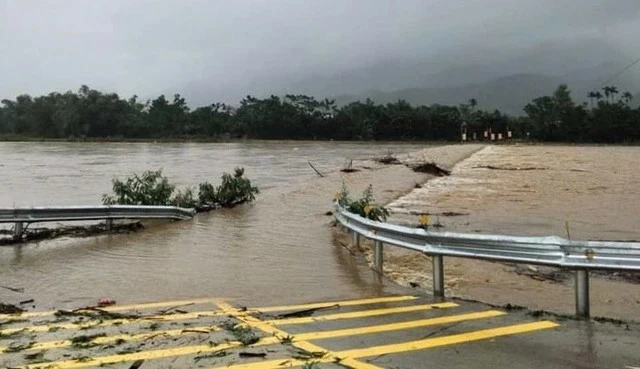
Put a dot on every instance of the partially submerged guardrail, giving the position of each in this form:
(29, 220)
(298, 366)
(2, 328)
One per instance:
(20, 216)
(580, 256)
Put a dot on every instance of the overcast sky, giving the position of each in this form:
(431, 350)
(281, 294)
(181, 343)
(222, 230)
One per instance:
(147, 47)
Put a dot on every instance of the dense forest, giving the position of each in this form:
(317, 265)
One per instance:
(91, 114)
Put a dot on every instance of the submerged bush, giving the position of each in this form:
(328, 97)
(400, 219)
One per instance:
(207, 194)
(184, 199)
(363, 206)
(235, 189)
(152, 188)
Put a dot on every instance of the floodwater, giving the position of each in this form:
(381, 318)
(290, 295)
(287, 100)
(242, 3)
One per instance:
(263, 251)
(579, 192)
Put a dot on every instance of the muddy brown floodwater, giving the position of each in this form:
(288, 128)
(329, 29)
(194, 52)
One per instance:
(281, 247)
(277, 247)
(530, 190)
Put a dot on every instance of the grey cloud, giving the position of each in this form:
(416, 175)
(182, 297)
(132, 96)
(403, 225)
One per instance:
(236, 47)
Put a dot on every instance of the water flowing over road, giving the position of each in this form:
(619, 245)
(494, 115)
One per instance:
(265, 249)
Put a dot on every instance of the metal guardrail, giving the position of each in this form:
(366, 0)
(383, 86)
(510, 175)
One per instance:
(580, 256)
(19, 216)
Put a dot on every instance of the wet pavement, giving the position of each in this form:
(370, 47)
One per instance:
(399, 330)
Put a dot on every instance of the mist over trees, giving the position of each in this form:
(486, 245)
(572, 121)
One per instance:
(92, 114)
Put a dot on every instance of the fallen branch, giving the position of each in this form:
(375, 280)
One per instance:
(96, 313)
(492, 167)
(305, 312)
(314, 168)
(14, 289)
(165, 311)
(252, 354)
(348, 249)
(195, 331)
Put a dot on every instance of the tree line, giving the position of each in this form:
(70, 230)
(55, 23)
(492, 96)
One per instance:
(89, 113)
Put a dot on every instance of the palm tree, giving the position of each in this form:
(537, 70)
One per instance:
(598, 95)
(591, 95)
(627, 97)
(614, 91)
(607, 91)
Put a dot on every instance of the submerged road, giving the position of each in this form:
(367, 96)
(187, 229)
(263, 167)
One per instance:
(400, 330)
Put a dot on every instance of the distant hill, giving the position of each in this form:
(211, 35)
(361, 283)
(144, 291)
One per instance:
(506, 83)
(509, 94)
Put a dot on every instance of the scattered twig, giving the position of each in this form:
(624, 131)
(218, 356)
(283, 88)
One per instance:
(353, 253)
(302, 354)
(136, 364)
(195, 331)
(26, 302)
(10, 309)
(305, 312)
(94, 312)
(165, 311)
(156, 335)
(219, 353)
(252, 354)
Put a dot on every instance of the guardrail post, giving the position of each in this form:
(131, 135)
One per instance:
(377, 256)
(582, 293)
(109, 225)
(355, 238)
(438, 275)
(17, 230)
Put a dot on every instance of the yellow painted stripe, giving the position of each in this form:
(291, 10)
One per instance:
(398, 326)
(107, 323)
(127, 337)
(151, 305)
(361, 314)
(447, 340)
(377, 300)
(351, 355)
(299, 341)
(143, 355)
(305, 345)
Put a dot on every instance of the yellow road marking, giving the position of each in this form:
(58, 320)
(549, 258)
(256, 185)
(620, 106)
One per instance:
(106, 323)
(300, 341)
(305, 345)
(351, 355)
(126, 337)
(448, 340)
(361, 314)
(341, 303)
(397, 326)
(151, 305)
(143, 355)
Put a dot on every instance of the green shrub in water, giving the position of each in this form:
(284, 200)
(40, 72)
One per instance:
(152, 188)
(235, 189)
(363, 206)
